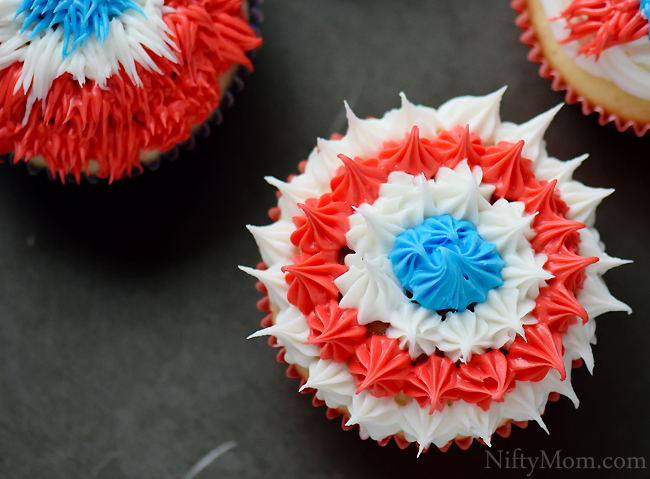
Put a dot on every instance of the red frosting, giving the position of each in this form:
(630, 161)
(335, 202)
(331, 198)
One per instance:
(542, 199)
(414, 156)
(335, 330)
(322, 227)
(380, 366)
(357, 181)
(429, 382)
(117, 123)
(567, 266)
(485, 378)
(458, 144)
(312, 278)
(542, 349)
(377, 362)
(558, 307)
(610, 22)
(504, 167)
(552, 234)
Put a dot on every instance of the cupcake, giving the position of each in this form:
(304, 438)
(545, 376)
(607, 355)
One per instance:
(102, 87)
(599, 52)
(433, 276)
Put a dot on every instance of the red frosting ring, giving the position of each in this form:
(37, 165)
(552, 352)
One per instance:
(377, 363)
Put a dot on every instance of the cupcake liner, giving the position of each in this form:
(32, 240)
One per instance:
(529, 38)
(199, 131)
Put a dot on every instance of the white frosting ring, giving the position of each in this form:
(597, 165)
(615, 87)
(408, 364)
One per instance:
(626, 65)
(381, 417)
(404, 202)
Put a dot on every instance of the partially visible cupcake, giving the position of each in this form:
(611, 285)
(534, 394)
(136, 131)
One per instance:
(598, 51)
(99, 88)
(433, 275)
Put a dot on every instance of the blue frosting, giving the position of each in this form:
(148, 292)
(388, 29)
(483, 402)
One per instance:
(79, 18)
(445, 264)
(645, 8)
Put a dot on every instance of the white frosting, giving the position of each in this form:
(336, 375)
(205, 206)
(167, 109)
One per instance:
(291, 331)
(128, 35)
(627, 65)
(578, 341)
(332, 380)
(375, 227)
(458, 194)
(273, 280)
(590, 245)
(532, 132)
(296, 191)
(583, 200)
(272, 240)
(506, 225)
(415, 328)
(371, 286)
(480, 113)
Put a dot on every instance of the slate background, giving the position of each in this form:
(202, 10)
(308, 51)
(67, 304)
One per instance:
(123, 315)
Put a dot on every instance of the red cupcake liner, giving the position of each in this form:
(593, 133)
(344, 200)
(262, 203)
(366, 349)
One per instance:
(529, 38)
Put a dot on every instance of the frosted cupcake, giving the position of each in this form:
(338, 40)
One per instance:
(433, 275)
(599, 52)
(101, 87)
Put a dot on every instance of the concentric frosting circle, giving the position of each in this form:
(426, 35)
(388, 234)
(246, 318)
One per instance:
(404, 202)
(394, 367)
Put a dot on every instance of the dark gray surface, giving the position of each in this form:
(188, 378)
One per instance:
(123, 316)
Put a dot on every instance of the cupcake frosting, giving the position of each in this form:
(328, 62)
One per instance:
(405, 202)
(614, 46)
(435, 272)
(111, 81)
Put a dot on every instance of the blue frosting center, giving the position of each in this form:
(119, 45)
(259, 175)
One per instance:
(445, 264)
(79, 18)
